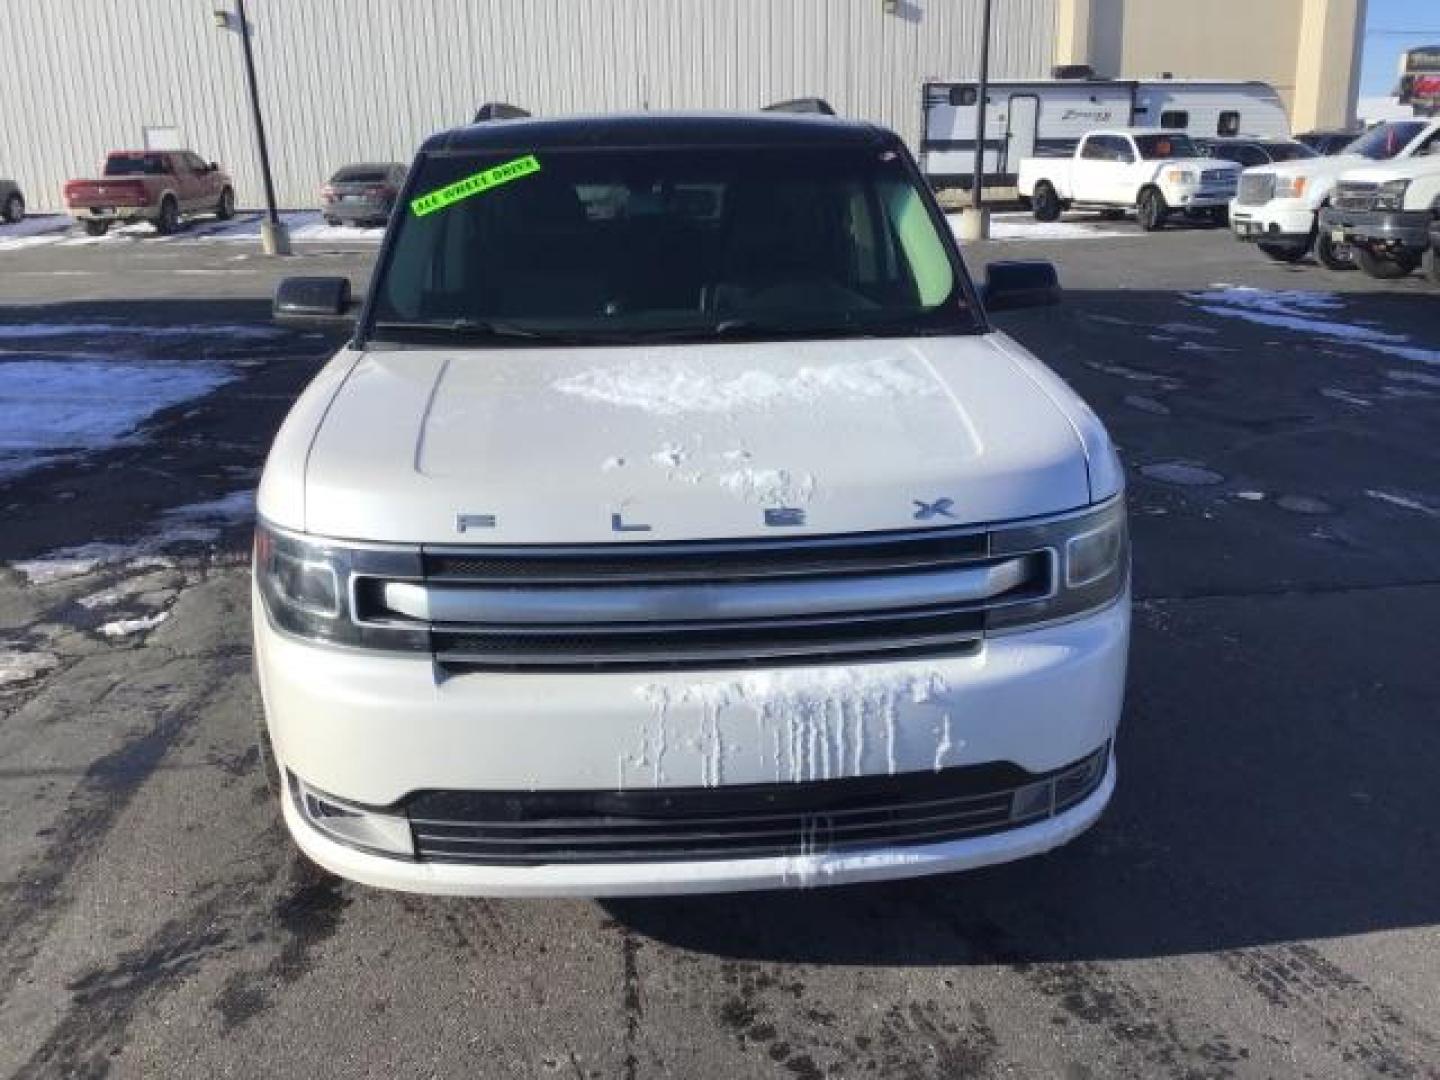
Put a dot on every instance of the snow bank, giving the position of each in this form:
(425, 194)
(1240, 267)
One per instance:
(1025, 227)
(677, 389)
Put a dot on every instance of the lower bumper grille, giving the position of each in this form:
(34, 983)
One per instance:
(755, 821)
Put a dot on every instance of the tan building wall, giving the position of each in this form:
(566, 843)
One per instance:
(1309, 50)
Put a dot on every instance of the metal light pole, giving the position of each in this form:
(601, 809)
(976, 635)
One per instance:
(274, 237)
(975, 220)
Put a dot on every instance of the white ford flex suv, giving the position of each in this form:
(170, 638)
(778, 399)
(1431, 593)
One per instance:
(676, 521)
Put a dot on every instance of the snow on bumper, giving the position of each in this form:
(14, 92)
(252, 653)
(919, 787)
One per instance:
(373, 729)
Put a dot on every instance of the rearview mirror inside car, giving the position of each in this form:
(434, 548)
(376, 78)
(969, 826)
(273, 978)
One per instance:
(1012, 285)
(312, 301)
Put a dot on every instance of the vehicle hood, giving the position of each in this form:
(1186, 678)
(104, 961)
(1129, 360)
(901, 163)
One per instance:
(1205, 163)
(1379, 173)
(595, 445)
(1316, 167)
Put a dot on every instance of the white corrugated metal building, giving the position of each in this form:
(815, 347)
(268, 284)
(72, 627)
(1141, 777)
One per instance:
(346, 80)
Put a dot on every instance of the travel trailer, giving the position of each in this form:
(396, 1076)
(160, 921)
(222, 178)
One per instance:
(1050, 116)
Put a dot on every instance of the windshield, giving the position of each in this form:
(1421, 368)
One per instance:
(1289, 151)
(599, 245)
(136, 165)
(1169, 145)
(1387, 140)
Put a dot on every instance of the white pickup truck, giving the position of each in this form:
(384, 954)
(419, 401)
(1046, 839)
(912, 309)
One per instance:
(1278, 206)
(1156, 172)
(1384, 212)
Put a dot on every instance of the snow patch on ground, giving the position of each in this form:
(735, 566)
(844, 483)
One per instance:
(678, 389)
(39, 331)
(60, 408)
(33, 231)
(1306, 313)
(769, 487)
(195, 523)
(20, 667)
(670, 456)
(1025, 227)
(610, 464)
(1405, 502)
(128, 627)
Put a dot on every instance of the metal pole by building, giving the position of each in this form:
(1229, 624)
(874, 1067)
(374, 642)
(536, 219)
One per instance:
(274, 238)
(975, 221)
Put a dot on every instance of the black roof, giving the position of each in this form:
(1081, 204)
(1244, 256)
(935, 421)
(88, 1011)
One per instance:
(661, 129)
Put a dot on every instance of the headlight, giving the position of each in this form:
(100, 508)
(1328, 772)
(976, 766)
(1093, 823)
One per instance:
(1090, 558)
(310, 589)
(1391, 195)
(1182, 177)
(1290, 187)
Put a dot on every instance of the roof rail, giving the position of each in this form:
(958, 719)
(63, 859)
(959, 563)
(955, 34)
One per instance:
(499, 110)
(813, 105)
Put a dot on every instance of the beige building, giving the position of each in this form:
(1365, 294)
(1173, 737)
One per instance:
(1309, 50)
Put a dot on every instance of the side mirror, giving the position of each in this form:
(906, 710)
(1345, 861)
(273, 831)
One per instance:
(313, 301)
(1013, 285)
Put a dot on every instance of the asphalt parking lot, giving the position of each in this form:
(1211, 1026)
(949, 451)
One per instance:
(1262, 899)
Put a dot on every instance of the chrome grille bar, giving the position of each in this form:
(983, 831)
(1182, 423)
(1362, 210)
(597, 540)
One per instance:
(648, 604)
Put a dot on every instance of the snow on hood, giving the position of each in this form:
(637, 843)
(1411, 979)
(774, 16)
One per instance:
(680, 442)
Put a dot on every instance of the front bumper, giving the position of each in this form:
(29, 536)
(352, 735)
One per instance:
(375, 730)
(1202, 199)
(681, 877)
(1383, 229)
(1271, 224)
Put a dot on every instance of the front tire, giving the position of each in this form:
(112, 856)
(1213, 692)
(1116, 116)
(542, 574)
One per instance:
(14, 209)
(1220, 217)
(95, 228)
(1151, 210)
(169, 219)
(1045, 203)
(1387, 267)
(226, 208)
(1285, 253)
(1432, 266)
(1333, 256)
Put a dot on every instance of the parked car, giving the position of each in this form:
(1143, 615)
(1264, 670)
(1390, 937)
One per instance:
(1247, 152)
(362, 194)
(1156, 172)
(163, 187)
(1384, 212)
(12, 201)
(719, 543)
(1277, 206)
(1327, 143)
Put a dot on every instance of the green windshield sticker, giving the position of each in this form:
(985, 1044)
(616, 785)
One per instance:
(474, 185)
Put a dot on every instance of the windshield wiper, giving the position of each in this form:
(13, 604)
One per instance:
(465, 328)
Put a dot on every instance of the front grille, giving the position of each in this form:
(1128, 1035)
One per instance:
(1355, 196)
(517, 828)
(1256, 189)
(1224, 178)
(705, 604)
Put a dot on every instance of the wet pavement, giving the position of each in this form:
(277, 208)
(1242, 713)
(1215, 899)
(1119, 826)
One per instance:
(1262, 898)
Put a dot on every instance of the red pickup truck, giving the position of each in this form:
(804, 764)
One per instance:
(158, 186)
